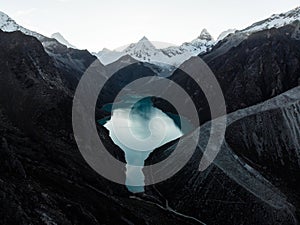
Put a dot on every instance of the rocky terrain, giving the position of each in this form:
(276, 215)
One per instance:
(256, 174)
(253, 180)
(250, 176)
(250, 69)
(44, 179)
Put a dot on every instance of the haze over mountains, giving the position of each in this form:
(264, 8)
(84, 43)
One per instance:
(254, 179)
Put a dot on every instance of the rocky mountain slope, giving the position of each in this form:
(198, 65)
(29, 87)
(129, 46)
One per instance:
(254, 175)
(44, 179)
(72, 62)
(254, 179)
(256, 172)
(251, 69)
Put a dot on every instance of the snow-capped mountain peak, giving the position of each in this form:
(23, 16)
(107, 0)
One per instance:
(142, 44)
(205, 35)
(7, 24)
(199, 45)
(144, 39)
(62, 40)
(145, 51)
(275, 21)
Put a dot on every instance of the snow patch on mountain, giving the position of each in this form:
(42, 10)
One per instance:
(275, 21)
(224, 34)
(7, 24)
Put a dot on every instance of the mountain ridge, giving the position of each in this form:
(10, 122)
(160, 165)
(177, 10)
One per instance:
(45, 180)
(60, 38)
(145, 51)
(202, 44)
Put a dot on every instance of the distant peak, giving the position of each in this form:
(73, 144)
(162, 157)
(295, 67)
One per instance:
(58, 36)
(143, 43)
(204, 35)
(144, 39)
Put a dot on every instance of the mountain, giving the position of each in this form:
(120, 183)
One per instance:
(256, 172)
(145, 51)
(44, 179)
(35, 119)
(62, 40)
(224, 34)
(275, 21)
(250, 69)
(7, 24)
(253, 180)
(72, 62)
(107, 56)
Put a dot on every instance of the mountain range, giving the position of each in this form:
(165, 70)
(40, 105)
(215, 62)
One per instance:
(254, 179)
(145, 51)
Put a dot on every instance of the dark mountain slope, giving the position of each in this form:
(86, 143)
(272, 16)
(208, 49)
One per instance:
(264, 65)
(250, 69)
(30, 84)
(255, 177)
(71, 62)
(43, 177)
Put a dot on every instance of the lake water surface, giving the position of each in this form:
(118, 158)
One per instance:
(139, 130)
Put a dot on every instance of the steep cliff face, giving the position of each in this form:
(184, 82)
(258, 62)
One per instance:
(30, 84)
(269, 141)
(250, 69)
(248, 179)
(44, 179)
(71, 62)
(262, 66)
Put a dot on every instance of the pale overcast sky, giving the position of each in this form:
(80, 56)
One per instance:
(94, 24)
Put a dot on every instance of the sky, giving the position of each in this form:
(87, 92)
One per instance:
(95, 24)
